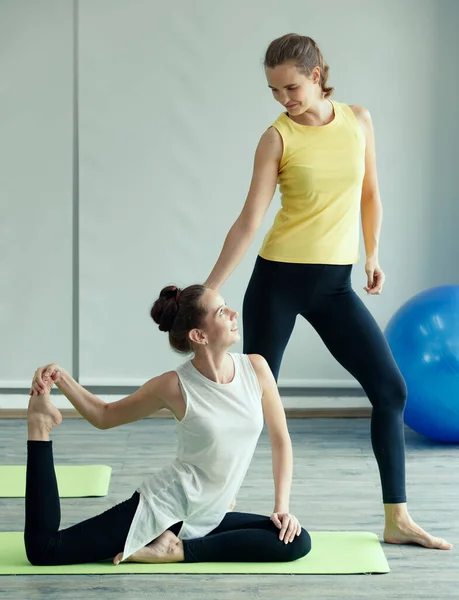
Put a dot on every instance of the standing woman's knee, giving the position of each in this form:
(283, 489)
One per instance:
(397, 393)
(389, 394)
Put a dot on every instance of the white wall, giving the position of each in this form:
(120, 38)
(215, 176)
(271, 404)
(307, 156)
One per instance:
(35, 187)
(443, 244)
(172, 102)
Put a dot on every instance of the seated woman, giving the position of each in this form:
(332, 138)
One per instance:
(179, 514)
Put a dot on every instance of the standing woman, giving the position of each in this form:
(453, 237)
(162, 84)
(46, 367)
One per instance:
(322, 154)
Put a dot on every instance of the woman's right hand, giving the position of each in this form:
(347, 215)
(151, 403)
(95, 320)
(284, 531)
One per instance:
(44, 378)
(288, 524)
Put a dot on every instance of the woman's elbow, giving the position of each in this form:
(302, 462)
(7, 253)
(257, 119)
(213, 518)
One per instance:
(370, 198)
(282, 442)
(247, 225)
(102, 420)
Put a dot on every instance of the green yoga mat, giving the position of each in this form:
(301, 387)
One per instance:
(332, 553)
(73, 481)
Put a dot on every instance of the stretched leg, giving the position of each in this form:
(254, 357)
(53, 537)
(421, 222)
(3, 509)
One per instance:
(42, 505)
(99, 538)
(268, 314)
(355, 340)
(243, 537)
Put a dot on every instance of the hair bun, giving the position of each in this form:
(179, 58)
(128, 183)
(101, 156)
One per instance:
(166, 307)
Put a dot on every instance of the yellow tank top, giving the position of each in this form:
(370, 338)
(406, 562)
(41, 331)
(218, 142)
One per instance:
(320, 180)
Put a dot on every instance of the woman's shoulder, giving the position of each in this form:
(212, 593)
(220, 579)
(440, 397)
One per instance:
(282, 124)
(270, 145)
(171, 391)
(255, 360)
(363, 118)
(271, 136)
(362, 114)
(254, 367)
(259, 363)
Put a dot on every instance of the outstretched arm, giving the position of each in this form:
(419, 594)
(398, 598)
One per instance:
(261, 192)
(148, 399)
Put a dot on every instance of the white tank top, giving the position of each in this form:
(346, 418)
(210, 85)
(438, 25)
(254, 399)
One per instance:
(217, 438)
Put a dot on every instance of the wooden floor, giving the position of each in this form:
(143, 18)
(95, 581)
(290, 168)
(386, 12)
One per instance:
(336, 487)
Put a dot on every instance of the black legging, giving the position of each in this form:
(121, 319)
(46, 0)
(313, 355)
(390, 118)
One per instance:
(322, 294)
(240, 537)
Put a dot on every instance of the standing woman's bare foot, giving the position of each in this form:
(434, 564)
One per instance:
(401, 529)
(42, 415)
(167, 548)
(407, 532)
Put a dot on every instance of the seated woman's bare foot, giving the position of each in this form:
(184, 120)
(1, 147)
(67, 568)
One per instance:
(406, 531)
(167, 548)
(42, 415)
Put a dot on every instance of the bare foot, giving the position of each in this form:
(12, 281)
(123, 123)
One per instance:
(167, 548)
(406, 531)
(42, 415)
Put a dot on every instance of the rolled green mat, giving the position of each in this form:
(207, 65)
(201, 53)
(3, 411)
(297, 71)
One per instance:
(72, 481)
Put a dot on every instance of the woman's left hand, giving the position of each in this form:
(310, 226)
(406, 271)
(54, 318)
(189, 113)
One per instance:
(375, 277)
(288, 524)
(44, 378)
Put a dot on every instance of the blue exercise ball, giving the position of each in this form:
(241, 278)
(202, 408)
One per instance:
(424, 338)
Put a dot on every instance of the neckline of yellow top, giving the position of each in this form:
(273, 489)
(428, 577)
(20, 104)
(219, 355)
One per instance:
(215, 383)
(326, 126)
